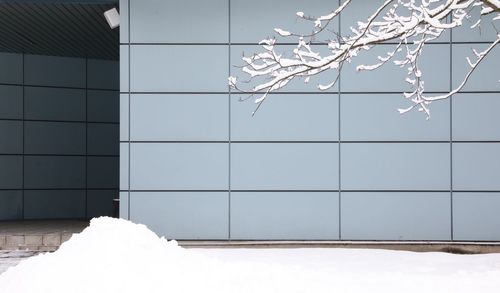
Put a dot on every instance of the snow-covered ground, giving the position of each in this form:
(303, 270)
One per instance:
(118, 256)
(11, 258)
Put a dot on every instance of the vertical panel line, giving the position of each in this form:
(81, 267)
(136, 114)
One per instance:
(86, 137)
(23, 136)
(229, 121)
(129, 110)
(339, 141)
(451, 136)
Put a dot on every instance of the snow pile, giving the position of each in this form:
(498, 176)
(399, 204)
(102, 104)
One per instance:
(115, 255)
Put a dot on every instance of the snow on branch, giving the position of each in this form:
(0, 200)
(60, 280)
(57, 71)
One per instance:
(403, 22)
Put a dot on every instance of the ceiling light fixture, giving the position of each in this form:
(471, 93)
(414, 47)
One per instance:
(112, 17)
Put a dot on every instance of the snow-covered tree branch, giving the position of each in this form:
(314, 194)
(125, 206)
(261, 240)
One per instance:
(406, 24)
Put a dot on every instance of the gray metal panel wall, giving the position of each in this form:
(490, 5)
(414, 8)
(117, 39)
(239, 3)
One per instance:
(59, 127)
(339, 164)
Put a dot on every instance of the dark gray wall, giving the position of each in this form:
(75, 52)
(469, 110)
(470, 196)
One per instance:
(58, 137)
(340, 164)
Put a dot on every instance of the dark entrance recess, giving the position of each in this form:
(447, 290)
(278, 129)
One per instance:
(59, 110)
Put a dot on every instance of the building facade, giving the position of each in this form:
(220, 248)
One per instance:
(59, 134)
(59, 110)
(335, 165)
(193, 163)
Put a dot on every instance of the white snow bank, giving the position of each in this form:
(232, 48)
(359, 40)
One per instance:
(115, 255)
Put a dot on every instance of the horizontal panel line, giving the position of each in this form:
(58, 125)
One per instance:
(279, 43)
(476, 191)
(419, 141)
(176, 44)
(228, 92)
(11, 84)
(60, 121)
(176, 93)
(224, 141)
(212, 43)
(307, 190)
(313, 141)
(173, 190)
(475, 141)
(60, 87)
(103, 122)
(233, 190)
(193, 141)
(396, 190)
(434, 92)
(58, 189)
(284, 190)
(393, 141)
(58, 155)
(315, 92)
(269, 243)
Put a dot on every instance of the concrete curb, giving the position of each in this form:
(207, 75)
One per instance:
(415, 246)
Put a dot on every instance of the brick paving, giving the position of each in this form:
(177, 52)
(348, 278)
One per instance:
(37, 235)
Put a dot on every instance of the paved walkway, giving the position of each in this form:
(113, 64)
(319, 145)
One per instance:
(37, 235)
(48, 235)
(11, 258)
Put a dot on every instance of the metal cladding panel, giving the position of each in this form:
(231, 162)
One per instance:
(124, 68)
(284, 166)
(102, 139)
(285, 215)
(11, 71)
(11, 102)
(103, 172)
(166, 22)
(124, 22)
(191, 117)
(476, 166)
(485, 77)
(11, 133)
(185, 215)
(278, 13)
(475, 117)
(54, 71)
(202, 68)
(101, 203)
(54, 172)
(54, 204)
(124, 117)
(296, 85)
(395, 166)
(485, 32)
(301, 117)
(363, 10)
(374, 117)
(103, 74)
(476, 216)
(62, 104)
(11, 172)
(11, 205)
(124, 166)
(391, 78)
(179, 166)
(103, 106)
(396, 216)
(54, 138)
(124, 205)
